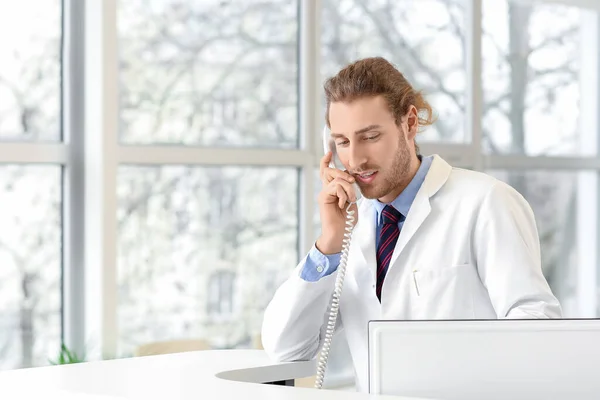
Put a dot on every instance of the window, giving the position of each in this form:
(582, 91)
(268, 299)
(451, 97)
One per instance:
(30, 76)
(30, 256)
(173, 248)
(217, 73)
(220, 294)
(31, 183)
(535, 68)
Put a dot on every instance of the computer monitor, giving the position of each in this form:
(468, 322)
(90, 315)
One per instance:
(486, 359)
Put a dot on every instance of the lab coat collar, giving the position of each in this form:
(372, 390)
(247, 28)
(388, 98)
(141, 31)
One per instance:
(364, 232)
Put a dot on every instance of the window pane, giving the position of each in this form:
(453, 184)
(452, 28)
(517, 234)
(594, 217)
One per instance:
(30, 260)
(565, 205)
(179, 228)
(532, 74)
(30, 64)
(214, 73)
(424, 39)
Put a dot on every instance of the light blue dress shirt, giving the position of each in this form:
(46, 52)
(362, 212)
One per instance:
(318, 265)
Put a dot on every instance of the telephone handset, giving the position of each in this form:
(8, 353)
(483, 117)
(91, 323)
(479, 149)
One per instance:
(329, 145)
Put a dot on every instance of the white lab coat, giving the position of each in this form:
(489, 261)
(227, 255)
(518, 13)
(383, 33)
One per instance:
(468, 249)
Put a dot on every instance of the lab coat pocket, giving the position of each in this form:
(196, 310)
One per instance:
(443, 292)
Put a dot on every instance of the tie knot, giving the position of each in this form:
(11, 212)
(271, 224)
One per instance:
(390, 215)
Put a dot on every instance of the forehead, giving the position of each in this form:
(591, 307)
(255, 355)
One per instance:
(347, 117)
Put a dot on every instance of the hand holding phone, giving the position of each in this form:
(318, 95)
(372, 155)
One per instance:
(338, 193)
(335, 169)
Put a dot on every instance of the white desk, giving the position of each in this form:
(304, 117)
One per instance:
(224, 374)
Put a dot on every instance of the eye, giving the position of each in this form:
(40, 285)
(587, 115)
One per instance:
(372, 137)
(342, 142)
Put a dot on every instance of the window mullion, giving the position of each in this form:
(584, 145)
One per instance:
(101, 122)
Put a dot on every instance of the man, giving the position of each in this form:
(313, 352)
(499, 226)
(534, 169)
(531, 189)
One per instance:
(431, 241)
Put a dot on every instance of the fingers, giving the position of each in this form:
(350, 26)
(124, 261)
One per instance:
(329, 174)
(347, 187)
(342, 190)
(325, 160)
(341, 195)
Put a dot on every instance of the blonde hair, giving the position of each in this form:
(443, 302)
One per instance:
(376, 76)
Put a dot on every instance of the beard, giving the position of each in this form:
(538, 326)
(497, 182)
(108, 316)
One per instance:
(389, 180)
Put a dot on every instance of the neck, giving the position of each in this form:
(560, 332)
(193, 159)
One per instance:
(415, 163)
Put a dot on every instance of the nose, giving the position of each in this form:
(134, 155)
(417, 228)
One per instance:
(356, 156)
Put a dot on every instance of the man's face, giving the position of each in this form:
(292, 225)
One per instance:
(372, 147)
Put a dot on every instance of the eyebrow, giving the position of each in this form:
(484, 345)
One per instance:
(358, 132)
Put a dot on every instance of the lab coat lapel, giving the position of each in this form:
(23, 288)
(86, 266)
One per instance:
(416, 216)
(438, 174)
(364, 234)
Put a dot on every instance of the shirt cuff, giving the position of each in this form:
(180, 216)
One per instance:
(319, 265)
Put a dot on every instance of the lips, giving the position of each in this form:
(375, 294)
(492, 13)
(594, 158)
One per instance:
(366, 177)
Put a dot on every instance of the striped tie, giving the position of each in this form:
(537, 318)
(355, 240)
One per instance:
(387, 241)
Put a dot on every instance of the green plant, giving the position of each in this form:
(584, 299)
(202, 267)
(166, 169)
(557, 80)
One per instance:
(66, 356)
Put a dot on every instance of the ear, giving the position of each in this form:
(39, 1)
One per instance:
(412, 120)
